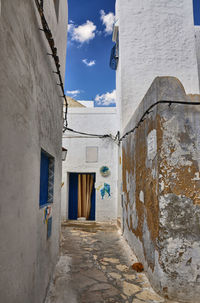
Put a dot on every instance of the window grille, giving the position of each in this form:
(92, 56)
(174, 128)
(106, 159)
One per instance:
(46, 179)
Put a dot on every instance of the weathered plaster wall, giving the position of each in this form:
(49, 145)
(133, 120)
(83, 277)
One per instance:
(161, 191)
(156, 38)
(97, 121)
(31, 119)
(197, 42)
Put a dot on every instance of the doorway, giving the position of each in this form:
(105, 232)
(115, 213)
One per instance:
(82, 196)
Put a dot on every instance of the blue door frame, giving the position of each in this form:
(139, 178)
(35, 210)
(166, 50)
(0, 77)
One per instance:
(73, 197)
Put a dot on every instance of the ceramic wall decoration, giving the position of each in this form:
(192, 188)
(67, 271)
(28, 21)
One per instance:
(105, 171)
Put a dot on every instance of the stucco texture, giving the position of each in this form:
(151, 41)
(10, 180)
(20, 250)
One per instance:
(93, 121)
(31, 119)
(156, 38)
(161, 191)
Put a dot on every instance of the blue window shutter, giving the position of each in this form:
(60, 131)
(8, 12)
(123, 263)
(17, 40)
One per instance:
(44, 176)
(93, 201)
(73, 196)
(196, 8)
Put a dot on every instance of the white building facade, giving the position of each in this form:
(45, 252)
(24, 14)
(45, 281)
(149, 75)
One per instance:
(90, 155)
(30, 136)
(156, 38)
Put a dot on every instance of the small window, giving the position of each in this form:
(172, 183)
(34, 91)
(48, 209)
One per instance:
(46, 179)
(196, 9)
(91, 154)
(56, 4)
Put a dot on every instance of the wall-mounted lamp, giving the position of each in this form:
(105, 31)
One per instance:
(64, 153)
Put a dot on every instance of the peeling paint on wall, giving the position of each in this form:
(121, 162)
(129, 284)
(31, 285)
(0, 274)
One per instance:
(161, 199)
(152, 144)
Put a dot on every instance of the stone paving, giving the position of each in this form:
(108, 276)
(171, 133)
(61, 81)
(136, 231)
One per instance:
(95, 267)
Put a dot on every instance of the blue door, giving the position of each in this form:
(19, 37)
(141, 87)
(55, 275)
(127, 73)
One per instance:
(73, 197)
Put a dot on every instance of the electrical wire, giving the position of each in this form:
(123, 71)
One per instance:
(79, 137)
(91, 135)
(51, 42)
(117, 138)
(49, 37)
(148, 112)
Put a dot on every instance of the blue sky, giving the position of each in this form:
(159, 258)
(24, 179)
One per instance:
(196, 12)
(88, 75)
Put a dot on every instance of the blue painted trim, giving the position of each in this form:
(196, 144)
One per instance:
(73, 197)
(93, 201)
(46, 179)
(44, 176)
(196, 9)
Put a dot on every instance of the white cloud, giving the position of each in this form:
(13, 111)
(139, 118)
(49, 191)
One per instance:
(70, 27)
(82, 33)
(86, 103)
(74, 93)
(106, 99)
(89, 63)
(107, 20)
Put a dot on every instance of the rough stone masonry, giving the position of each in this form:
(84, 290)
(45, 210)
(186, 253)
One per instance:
(161, 190)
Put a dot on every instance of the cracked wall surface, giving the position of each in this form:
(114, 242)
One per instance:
(161, 191)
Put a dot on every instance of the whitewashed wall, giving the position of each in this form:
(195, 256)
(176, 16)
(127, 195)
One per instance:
(197, 40)
(97, 121)
(31, 119)
(119, 112)
(156, 39)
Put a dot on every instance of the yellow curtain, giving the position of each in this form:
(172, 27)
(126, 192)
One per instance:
(85, 184)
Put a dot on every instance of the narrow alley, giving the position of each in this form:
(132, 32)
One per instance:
(100, 125)
(95, 266)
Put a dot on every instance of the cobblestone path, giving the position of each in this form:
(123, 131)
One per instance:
(95, 266)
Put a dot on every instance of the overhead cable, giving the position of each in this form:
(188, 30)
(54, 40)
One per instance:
(119, 139)
(49, 37)
(148, 111)
(93, 135)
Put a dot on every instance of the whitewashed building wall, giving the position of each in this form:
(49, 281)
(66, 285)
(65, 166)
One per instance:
(96, 121)
(156, 38)
(31, 119)
(197, 40)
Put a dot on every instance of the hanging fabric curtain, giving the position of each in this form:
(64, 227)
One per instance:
(85, 185)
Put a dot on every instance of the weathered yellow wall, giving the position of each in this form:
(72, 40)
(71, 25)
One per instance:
(161, 192)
